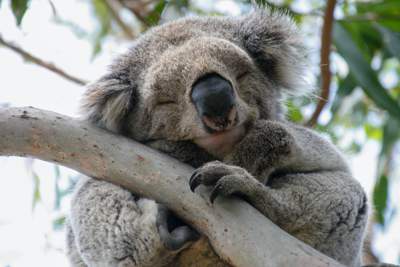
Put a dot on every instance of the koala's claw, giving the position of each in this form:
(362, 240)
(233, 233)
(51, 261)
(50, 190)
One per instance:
(227, 186)
(214, 193)
(208, 174)
(173, 232)
(225, 179)
(194, 181)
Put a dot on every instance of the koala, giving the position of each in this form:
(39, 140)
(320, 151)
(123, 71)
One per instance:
(209, 92)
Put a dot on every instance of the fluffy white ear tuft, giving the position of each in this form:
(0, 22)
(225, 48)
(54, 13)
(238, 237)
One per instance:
(274, 42)
(107, 102)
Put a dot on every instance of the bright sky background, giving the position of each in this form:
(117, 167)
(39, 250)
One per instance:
(26, 236)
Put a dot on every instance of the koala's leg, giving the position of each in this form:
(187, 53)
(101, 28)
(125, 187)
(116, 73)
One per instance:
(110, 227)
(327, 210)
(74, 257)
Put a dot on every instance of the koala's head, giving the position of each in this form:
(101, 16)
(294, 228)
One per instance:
(202, 80)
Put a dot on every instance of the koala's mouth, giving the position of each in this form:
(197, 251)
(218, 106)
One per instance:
(221, 143)
(217, 125)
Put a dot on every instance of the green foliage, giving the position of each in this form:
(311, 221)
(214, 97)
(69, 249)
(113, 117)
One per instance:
(261, 2)
(346, 86)
(391, 40)
(373, 33)
(59, 222)
(373, 132)
(391, 133)
(61, 192)
(362, 72)
(19, 8)
(379, 9)
(294, 113)
(57, 188)
(102, 14)
(155, 15)
(36, 190)
(380, 197)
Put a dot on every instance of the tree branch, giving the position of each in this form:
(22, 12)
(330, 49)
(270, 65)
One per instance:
(238, 233)
(47, 65)
(326, 41)
(137, 9)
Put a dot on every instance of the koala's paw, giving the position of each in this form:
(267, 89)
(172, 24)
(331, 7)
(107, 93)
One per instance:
(174, 233)
(226, 180)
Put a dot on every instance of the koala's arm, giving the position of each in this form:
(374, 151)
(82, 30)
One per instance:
(108, 226)
(282, 147)
(299, 181)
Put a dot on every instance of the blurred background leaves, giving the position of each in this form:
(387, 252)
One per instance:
(363, 95)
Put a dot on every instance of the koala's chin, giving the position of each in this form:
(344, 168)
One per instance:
(220, 144)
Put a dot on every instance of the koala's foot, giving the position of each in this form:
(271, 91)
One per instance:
(226, 180)
(174, 233)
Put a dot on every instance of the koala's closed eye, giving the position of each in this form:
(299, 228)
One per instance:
(242, 75)
(163, 99)
(166, 102)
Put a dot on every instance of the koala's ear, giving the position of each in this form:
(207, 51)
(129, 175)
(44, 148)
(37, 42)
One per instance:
(272, 40)
(109, 100)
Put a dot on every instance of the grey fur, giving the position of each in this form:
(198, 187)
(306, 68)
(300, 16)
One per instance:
(289, 173)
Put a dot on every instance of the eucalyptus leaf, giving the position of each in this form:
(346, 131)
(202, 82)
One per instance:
(391, 133)
(104, 27)
(293, 112)
(386, 7)
(345, 88)
(365, 36)
(391, 40)
(36, 190)
(59, 223)
(373, 132)
(380, 197)
(261, 2)
(19, 8)
(180, 3)
(155, 14)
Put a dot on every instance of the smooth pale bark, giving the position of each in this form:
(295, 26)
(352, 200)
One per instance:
(238, 233)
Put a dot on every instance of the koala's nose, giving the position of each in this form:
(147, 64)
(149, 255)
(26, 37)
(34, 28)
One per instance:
(214, 99)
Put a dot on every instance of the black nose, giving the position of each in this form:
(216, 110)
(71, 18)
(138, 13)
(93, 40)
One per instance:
(214, 99)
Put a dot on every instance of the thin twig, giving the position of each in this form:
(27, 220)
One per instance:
(326, 41)
(53, 8)
(136, 11)
(114, 13)
(47, 65)
(369, 17)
